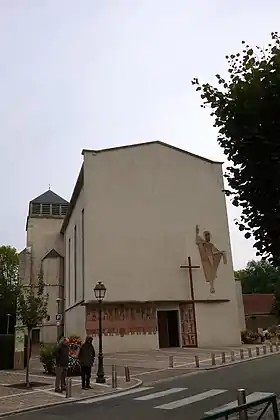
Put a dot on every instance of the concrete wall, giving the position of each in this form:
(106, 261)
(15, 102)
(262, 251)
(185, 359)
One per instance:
(142, 207)
(75, 321)
(74, 283)
(240, 304)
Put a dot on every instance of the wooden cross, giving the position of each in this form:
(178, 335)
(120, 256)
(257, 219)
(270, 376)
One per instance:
(189, 266)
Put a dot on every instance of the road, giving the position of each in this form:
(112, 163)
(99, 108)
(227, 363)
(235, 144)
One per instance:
(187, 397)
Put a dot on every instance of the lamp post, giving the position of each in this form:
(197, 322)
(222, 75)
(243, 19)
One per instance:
(99, 292)
(8, 323)
(59, 331)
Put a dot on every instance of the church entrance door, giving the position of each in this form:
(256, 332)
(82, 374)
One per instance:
(168, 329)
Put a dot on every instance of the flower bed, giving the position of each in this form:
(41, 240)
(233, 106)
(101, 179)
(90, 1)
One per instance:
(48, 354)
(251, 337)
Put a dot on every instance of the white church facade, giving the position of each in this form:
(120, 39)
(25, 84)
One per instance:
(138, 217)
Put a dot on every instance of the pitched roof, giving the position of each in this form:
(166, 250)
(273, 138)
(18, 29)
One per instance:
(257, 303)
(170, 146)
(51, 254)
(49, 197)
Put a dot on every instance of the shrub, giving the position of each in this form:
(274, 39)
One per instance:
(250, 337)
(47, 358)
(7, 351)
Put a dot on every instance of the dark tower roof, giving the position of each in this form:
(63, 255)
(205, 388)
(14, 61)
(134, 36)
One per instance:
(49, 197)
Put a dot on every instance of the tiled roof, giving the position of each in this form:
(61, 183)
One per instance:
(258, 303)
(49, 197)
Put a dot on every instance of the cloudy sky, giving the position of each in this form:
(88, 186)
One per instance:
(98, 73)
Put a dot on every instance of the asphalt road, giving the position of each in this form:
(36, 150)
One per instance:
(183, 398)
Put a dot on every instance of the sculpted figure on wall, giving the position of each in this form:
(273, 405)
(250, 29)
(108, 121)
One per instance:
(210, 257)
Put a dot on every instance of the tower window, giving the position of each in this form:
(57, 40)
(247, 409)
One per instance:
(55, 209)
(36, 208)
(64, 209)
(46, 209)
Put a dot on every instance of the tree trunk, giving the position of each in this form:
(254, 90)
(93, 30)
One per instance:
(27, 383)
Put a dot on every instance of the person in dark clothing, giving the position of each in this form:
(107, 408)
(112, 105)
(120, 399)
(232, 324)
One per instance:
(62, 358)
(86, 357)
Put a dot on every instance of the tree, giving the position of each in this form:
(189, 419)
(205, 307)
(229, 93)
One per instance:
(245, 106)
(9, 264)
(259, 277)
(32, 305)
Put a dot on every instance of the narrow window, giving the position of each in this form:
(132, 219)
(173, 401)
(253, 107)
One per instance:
(69, 272)
(83, 255)
(75, 264)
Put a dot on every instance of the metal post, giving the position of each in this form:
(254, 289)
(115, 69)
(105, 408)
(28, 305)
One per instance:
(241, 399)
(277, 346)
(114, 376)
(171, 361)
(223, 357)
(257, 351)
(8, 323)
(275, 409)
(100, 379)
(196, 358)
(127, 374)
(271, 348)
(68, 387)
(264, 349)
(232, 356)
(213, 359)
(249, 352)
(241, 354)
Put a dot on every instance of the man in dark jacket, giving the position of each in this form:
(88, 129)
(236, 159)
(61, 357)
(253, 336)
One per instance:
(86, 357)
(62, 358)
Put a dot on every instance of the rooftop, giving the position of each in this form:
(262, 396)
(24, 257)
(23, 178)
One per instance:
(49, 197)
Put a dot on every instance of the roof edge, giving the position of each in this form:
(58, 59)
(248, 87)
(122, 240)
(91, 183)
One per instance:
(75, 195)
(178, 149)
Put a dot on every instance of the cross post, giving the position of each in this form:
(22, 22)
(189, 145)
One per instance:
(190, 267)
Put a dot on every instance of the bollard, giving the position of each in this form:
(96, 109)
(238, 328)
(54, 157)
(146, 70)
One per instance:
(196, 358)
(127, 374)
(213, 359)
(232, 356)
(271, 348)
(277, 347)
(223, 357)
(171, 361)
(257, 351)
(249, 352)
(114, 376)
(241, 399)
(264, 349)
(241, 354)
(68, 387)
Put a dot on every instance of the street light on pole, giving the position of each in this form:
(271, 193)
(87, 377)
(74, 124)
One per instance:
(100, 292)
(58, 318)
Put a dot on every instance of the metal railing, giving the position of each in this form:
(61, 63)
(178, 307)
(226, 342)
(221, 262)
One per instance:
(241, 409)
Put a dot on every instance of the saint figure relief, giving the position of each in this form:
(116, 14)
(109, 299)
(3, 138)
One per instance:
(210, 257)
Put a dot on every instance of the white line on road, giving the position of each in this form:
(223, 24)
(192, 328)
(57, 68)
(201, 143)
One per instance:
(159, 394)
(191, 400)
(118, 394)
(249, 398)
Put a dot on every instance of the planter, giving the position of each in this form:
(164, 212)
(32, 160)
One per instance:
(76, 371)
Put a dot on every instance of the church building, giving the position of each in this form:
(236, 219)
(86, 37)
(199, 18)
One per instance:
(148, 220)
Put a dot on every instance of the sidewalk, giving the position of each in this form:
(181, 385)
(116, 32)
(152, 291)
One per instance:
(14, 397)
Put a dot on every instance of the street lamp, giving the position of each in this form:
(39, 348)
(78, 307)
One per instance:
(8, 323)
(58, 318)
(99, 292)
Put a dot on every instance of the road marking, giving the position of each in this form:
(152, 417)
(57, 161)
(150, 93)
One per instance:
(191, 400)
(118, 394)
(249, 398)
(159, 394)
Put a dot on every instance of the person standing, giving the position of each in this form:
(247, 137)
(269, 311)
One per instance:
(86, 357)
(62, 358)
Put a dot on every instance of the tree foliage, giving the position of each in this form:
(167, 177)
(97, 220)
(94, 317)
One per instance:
(259, 277)
(8, 285)
(32, 303)
(245, 106)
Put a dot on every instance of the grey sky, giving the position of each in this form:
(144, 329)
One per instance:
(90, 74)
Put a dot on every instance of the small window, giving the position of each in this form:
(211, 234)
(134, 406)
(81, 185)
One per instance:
(36, 208)
(46, 209)
(55, 209)
(64, 209)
